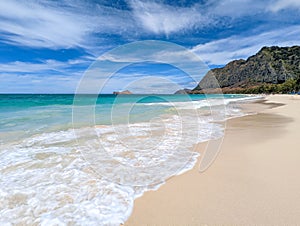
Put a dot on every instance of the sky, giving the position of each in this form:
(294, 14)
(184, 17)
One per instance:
(47, 46)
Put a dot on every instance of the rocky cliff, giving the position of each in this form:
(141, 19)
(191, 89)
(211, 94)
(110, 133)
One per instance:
(270, 66)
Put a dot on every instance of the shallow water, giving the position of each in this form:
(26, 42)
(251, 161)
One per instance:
(57, 169)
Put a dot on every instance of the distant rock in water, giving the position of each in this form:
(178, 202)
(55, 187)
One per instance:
(122, 92)
(183, 91)
(269, 67)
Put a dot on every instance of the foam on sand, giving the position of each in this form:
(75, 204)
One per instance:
(45, 179)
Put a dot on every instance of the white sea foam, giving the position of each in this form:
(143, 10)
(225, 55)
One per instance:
(197, 104)
(46, 180)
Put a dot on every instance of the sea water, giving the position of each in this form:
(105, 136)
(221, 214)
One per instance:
(51, 169)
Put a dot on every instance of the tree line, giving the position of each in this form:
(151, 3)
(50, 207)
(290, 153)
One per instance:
(289, 86)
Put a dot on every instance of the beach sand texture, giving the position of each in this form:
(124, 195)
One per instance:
(253, 181)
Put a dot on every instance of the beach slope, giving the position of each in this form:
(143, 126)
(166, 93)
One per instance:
(254, 180)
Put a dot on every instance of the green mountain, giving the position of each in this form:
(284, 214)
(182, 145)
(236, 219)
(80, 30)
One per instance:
(272, 70)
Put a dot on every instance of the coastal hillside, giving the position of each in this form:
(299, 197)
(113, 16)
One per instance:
(272, 70)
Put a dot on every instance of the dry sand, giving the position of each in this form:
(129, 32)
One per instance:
(254, 180)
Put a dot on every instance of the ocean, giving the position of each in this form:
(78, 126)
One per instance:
(83, 159)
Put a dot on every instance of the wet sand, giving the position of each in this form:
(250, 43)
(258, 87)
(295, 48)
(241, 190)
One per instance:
(253, 181)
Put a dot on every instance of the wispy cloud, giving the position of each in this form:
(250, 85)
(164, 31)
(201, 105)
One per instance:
(220, 52)
(165, 19)
(37, 25)
(53, 25)
(154, 84)
(284, 4)
(49, 76)
(47, 65)
(217, 31)
(236, 8)
(136, 79)
(37, 83)
(84, 24)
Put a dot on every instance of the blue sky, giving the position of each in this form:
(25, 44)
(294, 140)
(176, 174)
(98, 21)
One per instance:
(46, 46)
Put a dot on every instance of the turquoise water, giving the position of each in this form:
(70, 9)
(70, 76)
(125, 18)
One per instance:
(35, 113)
(58, 169)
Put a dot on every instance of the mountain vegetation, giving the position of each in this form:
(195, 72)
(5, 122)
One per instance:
(272, 70)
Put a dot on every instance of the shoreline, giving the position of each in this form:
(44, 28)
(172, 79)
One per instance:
(242, 186)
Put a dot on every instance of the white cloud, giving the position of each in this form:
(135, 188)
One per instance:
(222, 51)
(136, 83)
(236, 8)
(65, 24)
(33, 24)
(50, 76)
(35, 83)
(164, 19)
(53, 25)
(284, 4)
(154, 84)
(241, 8)
(47, 65)
(156, 17)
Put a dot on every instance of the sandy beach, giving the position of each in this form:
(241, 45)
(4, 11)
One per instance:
(254, 180)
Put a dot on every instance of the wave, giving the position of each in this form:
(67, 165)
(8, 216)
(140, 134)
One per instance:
(52, 178)
(197, 104)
